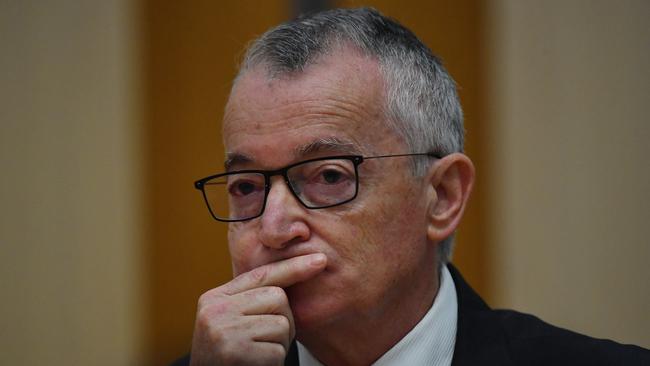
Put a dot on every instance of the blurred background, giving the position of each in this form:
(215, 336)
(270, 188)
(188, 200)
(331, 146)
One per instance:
(109, 110)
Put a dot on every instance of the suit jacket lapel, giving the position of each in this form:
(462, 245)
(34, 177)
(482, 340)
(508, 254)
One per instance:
(479, 337)
(292, 355)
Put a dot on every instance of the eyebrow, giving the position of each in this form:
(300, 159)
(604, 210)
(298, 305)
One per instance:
(234, 159)
(327, 144)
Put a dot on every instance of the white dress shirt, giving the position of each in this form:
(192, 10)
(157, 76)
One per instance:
(430, 342)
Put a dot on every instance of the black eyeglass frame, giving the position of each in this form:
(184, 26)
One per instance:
(355, 159)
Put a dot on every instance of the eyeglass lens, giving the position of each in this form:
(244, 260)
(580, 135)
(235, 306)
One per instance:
(317, 184)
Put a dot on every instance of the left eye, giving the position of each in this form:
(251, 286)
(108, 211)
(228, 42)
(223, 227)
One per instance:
(331, 176)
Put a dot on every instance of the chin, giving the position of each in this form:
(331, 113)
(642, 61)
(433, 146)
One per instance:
(313, 305)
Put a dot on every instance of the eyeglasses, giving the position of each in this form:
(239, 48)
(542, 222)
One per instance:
(315, 183)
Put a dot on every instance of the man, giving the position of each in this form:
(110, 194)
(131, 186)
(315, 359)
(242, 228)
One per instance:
(345, 181)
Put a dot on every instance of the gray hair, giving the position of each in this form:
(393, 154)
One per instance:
(422, 105)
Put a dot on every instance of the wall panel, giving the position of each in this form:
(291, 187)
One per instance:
(570, 84)
(190, 54)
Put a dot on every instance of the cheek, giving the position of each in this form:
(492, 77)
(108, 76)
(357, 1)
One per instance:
(241, 244)
(361, 241)
(391, 232)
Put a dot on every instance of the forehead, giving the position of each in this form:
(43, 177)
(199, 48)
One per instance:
(338, 98)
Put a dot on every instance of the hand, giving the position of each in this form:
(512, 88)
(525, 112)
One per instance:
(248, 320)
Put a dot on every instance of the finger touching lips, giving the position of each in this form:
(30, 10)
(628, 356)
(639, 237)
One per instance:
(283, 273)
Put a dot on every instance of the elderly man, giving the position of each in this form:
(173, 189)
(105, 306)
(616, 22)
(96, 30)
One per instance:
(344, 183)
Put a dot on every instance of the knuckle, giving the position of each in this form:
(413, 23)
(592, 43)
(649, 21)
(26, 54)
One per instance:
(259, 274)
(204, 301)
(203, 318)
(210, 297)
(214, 310)
(221, 290)
(279, 300)
(213, 304)
(277, 292)
(204, 323)
(283, 323)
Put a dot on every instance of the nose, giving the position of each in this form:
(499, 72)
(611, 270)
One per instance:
(282, 223)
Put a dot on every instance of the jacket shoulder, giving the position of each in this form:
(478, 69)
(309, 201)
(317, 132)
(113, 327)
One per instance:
(532, 341)
(505, 337)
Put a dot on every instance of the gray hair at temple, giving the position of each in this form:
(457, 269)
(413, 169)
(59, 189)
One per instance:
(422, 105)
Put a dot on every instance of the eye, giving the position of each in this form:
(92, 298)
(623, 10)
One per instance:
(242, 188)
(331, 176)
(245, 188)
(329, 173)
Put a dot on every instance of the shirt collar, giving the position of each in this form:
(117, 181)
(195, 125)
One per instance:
(430, 342)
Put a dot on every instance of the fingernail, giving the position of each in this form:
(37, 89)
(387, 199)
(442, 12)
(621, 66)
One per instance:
(317, 259)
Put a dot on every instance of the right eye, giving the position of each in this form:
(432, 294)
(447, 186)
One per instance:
(242, 188)
(331, 176)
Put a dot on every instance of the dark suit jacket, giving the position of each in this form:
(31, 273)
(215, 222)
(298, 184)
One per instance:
(505, 337)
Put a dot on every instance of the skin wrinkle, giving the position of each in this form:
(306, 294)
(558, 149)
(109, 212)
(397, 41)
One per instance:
(334, 104)
(307, 105)
(331, 144)
(304, 110)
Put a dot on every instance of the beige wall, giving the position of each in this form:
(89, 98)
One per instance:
(567, 94)
(69, 224)
(570, 87)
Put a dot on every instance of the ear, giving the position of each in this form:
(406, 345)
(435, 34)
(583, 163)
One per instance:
(451, 180)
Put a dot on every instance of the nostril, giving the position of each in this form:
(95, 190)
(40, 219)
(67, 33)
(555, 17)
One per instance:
(296, 240)
(279, 236)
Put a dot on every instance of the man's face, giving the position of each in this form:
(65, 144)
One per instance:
(376, 245)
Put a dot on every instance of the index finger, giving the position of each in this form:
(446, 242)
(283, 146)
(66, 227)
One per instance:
(282, 274)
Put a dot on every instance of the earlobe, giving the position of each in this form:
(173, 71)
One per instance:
(451, 180)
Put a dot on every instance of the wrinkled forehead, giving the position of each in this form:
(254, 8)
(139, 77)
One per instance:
(340, 97)
(337, 77)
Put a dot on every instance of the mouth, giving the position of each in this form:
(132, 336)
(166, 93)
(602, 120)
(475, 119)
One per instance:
(268, 256)
(308, 286)
(297, 250)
